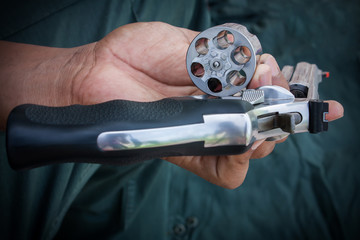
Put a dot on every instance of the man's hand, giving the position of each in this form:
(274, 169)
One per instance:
(139, 62)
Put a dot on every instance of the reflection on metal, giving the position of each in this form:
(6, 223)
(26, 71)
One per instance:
(299, 109)
(253, 96)
(217, 130)
(287, 122)
(276, 115)
(276, 95)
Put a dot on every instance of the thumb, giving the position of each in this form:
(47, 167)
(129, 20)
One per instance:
(336, 110)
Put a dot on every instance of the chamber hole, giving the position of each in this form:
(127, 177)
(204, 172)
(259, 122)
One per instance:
(214, 85)
(224, 39)
(201, 46)
(197, 69)
(242, 55)
(236, 78)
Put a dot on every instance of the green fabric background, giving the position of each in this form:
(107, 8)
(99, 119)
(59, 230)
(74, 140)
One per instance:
(308, 188)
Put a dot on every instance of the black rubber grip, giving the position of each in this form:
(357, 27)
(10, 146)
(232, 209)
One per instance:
(39, 135)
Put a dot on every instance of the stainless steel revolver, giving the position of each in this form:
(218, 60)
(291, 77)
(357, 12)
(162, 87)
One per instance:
(121, 132)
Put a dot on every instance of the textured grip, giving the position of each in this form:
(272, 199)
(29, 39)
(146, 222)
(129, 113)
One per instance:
(104, 112)
(39, 135)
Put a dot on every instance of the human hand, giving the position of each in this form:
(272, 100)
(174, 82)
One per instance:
(146, 62)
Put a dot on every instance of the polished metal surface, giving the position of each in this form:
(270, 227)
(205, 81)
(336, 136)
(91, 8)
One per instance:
(300, 108)
(276, 95)
(222, 60)
(253, 96)
(217, 130)
(276, 114)
(279, 102)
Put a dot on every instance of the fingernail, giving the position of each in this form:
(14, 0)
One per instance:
(340, 110)
(257, 144)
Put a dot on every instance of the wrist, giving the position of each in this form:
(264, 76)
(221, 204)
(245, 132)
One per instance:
(74, 72)
(40, 75)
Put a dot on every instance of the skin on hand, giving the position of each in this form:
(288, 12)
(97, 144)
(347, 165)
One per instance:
(139, 62)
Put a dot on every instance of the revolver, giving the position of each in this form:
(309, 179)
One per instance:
(225, 121)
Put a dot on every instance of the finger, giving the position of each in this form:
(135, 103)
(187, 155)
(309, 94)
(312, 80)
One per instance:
(262, 77)
(336, 111)
(225, 171)
(277, 77)
(271, 62)
(263, 150)
(281, 140)
(232, 170)
(280, 80)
